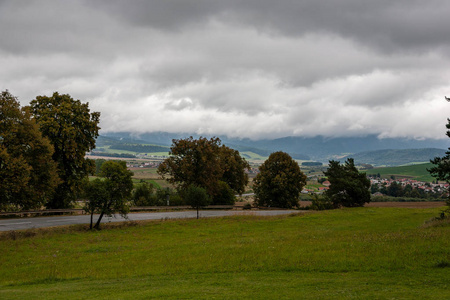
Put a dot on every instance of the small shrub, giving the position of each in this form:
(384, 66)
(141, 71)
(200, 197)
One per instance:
(320, 203)
(225, 195)
(143, 195)
(247, 206)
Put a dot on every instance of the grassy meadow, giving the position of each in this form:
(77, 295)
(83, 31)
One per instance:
(382, 253)
(417, 172)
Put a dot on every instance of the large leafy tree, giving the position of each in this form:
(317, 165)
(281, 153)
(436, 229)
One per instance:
(442, 169)
(349, 187)
(111, 193)
(203, 163)
(28, 175)
(72, 129)
(279, 181)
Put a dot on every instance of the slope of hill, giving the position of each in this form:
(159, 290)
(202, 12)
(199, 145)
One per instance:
(417, 172)
(396, 157)
(317, 148)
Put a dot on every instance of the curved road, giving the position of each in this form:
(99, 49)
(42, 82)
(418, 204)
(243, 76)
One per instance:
(39, 222)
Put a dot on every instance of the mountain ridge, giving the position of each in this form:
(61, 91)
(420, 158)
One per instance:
(318, 148)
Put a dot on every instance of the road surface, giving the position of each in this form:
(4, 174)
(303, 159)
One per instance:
(40, 222)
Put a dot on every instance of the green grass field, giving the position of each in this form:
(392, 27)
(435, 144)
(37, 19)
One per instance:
(361, 253)
(417, 172)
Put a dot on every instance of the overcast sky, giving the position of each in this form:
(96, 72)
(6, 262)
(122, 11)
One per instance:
(258, 69)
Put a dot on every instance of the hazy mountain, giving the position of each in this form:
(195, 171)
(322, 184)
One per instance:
(395, 157)
(318, 148)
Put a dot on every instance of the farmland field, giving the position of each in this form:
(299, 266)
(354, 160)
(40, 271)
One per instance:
(417, 172)
(382, 253)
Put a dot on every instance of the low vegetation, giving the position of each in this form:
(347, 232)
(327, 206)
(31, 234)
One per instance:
(346, 253)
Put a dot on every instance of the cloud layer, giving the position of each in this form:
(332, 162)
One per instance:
(258, 69)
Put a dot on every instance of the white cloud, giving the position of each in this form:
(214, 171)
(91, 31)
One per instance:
(229, 70)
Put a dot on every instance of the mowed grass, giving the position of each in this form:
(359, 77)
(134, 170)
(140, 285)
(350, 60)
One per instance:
(381, 253)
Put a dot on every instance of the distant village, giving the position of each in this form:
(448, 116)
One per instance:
(427, 187)
(377, 184)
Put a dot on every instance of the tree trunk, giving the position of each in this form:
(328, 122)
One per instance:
(92, 220)
(97, 225)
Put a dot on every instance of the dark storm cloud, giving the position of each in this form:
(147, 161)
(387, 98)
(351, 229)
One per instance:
(242, 68)
(403, 25)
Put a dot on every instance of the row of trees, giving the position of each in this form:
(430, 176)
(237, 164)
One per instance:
(42, 150)
(220, 171)
(42, 162)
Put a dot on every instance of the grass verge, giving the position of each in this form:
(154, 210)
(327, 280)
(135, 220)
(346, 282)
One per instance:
(348, 253)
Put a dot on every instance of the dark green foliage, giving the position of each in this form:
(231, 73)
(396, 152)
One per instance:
(96, 193)
(146, 195)
(202, 162)
(320, 202)
(374, 188)
(322, 180)
(140, 148)
(72, 130)
(98, 166)
(442, 169)
(247, 206)
(395, 189)
(196, 197)
(143, 195)
(348, 187)
(279, 182)
(28, 175)
(117, 184)
(224, 196)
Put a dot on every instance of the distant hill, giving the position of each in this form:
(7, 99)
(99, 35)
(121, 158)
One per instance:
(417, 172)
(129, 142)
(317, 148)
(396, 157)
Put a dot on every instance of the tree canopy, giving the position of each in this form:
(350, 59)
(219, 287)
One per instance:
(442, 169)
(28, 175)
(111, 194)
(348, 187)
(203, 163)
(196, 197)
(279, 181)
(72, 130)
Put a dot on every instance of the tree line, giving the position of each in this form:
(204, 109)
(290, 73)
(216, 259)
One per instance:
(42, 150)
(42, 163)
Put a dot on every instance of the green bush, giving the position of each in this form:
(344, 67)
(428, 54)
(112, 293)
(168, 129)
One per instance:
(247, 206)
(143, 195)
(225, 195)
(320, 202)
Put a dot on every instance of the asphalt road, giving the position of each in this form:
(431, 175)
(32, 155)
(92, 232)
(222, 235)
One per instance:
(40, 222)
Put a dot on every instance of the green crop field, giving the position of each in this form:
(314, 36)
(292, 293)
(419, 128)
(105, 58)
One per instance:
(418, 172)
(361, 253)
(252, 156)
